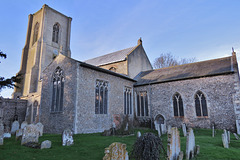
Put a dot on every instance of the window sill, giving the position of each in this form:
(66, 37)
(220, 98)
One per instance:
(202, 117)
(181, 117)
(59, 112)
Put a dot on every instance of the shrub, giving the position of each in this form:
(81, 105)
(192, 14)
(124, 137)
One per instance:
(148, 147)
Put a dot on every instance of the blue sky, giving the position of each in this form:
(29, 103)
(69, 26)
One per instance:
(202, 29)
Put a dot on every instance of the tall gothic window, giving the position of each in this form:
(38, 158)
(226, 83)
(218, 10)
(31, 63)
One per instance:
(55, 34)
(101, 97)
(200, 104)
(127, 100)
(58, 86)
(35, 33)
(178, 105)
(142, 104)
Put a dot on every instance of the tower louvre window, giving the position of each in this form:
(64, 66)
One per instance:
(55, 34)
(35, 33)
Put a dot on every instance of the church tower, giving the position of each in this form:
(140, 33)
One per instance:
(48, 35)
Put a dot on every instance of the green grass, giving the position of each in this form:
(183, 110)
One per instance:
(91, 147)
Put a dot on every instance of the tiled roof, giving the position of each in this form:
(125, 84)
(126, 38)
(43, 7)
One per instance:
(186, 71)
(110, 58)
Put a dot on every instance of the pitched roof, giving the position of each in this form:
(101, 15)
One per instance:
(186, 71)
(111, 57)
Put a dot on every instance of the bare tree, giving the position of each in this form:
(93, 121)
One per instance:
(167, 60)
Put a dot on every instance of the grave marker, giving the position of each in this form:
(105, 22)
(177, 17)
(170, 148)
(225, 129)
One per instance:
(173, 148)
(116, 151)
(184, 129)
(30, 134)
(190, 145)
(15, 127)
(67, 138)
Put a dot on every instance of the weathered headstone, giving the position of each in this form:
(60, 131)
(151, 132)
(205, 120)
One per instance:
(180, 157)
(7, 135)
(116, 151)
(173, 148)
(19, 133)
(67, 138)
(228, 133)
(225, 139)
(158, 130)
(138, 134)
(169, 128)
(196, 150)
(238, 126)
(236, 136)
(184, 129)
(24, 124)
(213, 131)
(30, 134)
(126, 128)
(40, 128)
(1, 133)
(155, 124)
(46, 144)
(163, 128)
(190, 145)
(15, 127)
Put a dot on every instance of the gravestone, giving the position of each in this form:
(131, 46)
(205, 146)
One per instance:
(173, 147)
(46, 144)
(158, 130)
(180, 157)
(15, 127)
(225, 139)
(7, 135)
(24, 124)
(1, 133)
(163, 128)
(238, 126)
(40, 128)
(169, 129)
(236, 136)
(213, 132)
(190, 145)
(196, 150)
(155, 124)
(138, 134)
(228, 133)
(19, 133)
(184, 129)
(116, 151)
(30, 134)
(67, 138)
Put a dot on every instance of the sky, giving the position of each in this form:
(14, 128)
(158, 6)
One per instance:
(201, 29)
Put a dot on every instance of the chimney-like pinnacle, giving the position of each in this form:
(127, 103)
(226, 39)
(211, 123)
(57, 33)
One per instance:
(140, 41)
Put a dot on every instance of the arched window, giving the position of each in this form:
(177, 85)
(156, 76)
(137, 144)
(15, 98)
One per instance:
(35, 34)
(178, 105)
(58, 86)
(101, 97)
(142, 104)
(113, 69)
(200, 104)
(55, 34)
(127, 100)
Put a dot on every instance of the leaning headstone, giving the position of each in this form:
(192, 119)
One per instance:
(67, 138)
(163, 128)
(196, 150)
(184, 129)
(213, 132)
(126, 128)
(190, 145)
(169, 128)
(228, 133)
(19, 133)
(15, 127)
(180, 157)
(46, 144)
(138, 134)
(236, 136)
(158, 130)
(155, 125)
(30, 134)
(24, 124)
(116, 151)
(225, 139)
(173, 147)
(40, 128)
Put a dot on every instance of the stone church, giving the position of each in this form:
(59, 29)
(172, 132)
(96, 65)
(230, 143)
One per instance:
(90, 96)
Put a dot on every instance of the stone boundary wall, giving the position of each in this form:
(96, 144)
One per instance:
(10, 107)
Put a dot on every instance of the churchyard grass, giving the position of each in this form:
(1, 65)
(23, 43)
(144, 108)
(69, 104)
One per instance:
(91, 146)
